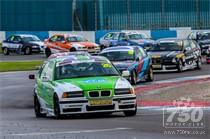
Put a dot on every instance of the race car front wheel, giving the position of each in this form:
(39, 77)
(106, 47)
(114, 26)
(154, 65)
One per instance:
(6, 51)
(47, 52)
(133, 78)
(27, 50)
(57, 111)
(131, 113)
(198, 63)
(150, 76)
(37, 108)
(180, 66)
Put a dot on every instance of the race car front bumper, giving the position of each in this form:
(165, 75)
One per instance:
(165, 67)
(80, 106)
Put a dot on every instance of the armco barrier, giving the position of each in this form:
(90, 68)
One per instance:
(41, 34)
(2, 36)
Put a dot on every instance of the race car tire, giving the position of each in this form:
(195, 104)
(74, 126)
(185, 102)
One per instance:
(57, 111)
(198, 63)
(5, 51)
(180, 66)
(47, 52)
(72, 49)
(131, 113)
(133, 78)
(27, 50)
(150, 75)
(37, 108)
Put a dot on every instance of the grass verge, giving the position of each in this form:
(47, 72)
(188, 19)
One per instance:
(19, 65)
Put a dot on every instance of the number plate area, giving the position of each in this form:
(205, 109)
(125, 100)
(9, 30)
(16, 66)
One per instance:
(100, 102)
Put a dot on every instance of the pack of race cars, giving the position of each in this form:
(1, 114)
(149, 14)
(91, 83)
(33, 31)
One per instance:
(81, 77)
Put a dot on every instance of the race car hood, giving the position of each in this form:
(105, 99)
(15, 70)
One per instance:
(164, 54)
(85, 84)
(86, 44)
(122, 64)
(39, 43)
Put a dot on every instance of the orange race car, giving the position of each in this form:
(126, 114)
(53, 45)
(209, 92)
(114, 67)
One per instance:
(67, 42)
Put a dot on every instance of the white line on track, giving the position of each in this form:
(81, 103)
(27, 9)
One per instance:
(70, 132)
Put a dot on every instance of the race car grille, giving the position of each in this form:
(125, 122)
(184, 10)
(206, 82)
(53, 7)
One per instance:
(90, 47)
(156, 61)
(98, 108)
(122, 91)
(105, 93)
(102, 93)
(94, 94)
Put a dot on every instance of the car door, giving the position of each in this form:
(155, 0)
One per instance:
(106, 39)
(44, 84)
(146, 60)
(12, 43)
(140, 63)
(55, 45)
(188, 52)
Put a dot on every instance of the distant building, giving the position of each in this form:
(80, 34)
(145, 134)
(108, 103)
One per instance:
(44, 15)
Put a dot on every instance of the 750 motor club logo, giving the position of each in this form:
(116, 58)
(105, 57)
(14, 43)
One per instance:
(184, 114)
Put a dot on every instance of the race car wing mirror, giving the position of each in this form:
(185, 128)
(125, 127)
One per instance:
(126, 73)
(31, 76)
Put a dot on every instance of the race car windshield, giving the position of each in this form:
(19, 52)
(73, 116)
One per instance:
(85, 69)
(137, 36)
(119, 55)
(28, 39)
(205, 36)
(167, 46)
(76, 39)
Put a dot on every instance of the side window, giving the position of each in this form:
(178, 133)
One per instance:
(60, 38)
(192, 36)
(141, 50)
(187, 45)
(47, 71)
(122, 36)
(72, 39)
(193, 45)
(108, 36)
(16, 39)
(10, 39)
(54, 38)
(138, 54)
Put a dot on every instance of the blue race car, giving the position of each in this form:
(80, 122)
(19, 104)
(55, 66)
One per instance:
(126, 38)
(131, 58)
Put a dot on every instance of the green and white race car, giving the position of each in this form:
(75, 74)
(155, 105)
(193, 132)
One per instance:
(77, 84)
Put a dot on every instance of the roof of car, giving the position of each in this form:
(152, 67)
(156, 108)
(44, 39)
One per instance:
(78, 58)
(68, 35)
(65, 54)
(24, 35)
(119, 48)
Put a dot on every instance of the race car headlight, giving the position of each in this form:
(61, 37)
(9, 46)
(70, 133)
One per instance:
(124, 91)
(35, 46)
(73, 94)
(174, 60)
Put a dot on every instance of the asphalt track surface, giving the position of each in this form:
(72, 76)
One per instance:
(17, 119)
